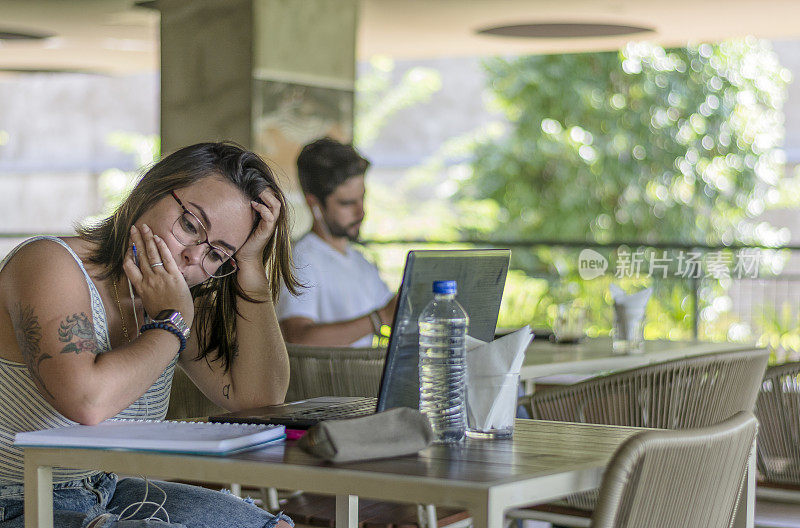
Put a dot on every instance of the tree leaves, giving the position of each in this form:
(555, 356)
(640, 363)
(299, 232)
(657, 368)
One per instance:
(677, 145)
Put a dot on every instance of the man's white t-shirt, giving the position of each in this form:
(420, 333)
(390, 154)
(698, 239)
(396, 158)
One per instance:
(338, 287)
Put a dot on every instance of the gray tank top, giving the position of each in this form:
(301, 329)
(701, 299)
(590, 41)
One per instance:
(22, 407)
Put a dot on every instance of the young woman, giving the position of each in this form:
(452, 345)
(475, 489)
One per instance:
(92, 327)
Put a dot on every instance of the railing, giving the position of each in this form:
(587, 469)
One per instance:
(721, 300)
(747, 293)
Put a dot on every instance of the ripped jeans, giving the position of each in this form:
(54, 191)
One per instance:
(103, 501)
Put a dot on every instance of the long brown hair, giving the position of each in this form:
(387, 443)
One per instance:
(216, 297)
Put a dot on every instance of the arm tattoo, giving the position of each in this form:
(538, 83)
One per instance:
(29, 335)
(77, 331)
(226, 391)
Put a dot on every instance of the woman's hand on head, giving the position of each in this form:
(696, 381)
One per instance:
(268, 213)
(161, 287)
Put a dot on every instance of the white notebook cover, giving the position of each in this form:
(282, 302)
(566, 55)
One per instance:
(151, 435)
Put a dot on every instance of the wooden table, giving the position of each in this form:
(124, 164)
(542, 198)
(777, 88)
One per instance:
(544, 461)
(594, 355)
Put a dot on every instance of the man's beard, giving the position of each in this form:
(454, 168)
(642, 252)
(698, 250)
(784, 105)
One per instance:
(338, 231)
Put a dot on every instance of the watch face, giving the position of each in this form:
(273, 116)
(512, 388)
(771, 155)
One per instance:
(174, 318)
(163, 315)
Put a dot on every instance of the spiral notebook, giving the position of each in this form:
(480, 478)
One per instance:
(161, 436)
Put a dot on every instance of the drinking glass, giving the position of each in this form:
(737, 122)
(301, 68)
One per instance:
(568, 326)
(627, 336)
(492, 405)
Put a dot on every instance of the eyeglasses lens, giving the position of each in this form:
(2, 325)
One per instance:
(189, 231)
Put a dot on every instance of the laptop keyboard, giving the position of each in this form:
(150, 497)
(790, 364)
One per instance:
(335, 411)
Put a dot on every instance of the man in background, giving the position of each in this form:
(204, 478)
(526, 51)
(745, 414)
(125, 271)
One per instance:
(344, 302)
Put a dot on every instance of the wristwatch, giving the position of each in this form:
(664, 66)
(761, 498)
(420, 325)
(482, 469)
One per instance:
(173, 318)
(375, 320)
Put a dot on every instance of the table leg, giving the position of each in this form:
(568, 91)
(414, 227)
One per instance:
(346, 511)
(746, 513)
(38, 495)
(530, 387)
(489, 515)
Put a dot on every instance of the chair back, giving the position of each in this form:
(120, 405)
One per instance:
(696, 391)
(691, 392)
(186, 400)
(778, 412)
(334, 371)
(314, 371)
(690, 478)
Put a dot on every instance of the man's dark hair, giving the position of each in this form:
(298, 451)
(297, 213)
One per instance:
(325, 164)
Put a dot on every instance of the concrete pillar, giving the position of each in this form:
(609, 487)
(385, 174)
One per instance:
(269, 74)
(206, 71)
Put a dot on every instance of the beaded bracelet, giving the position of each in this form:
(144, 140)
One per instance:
(168, 328)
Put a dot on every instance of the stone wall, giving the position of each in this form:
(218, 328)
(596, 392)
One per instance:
(55, 130)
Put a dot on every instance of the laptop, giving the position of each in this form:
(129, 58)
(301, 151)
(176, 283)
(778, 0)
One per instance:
(481, 276)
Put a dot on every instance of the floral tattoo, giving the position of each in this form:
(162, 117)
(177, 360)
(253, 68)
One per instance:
(29, 336)
(77, 331)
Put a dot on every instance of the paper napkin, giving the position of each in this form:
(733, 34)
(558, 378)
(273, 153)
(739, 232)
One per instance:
(629, 310)
(488, 404)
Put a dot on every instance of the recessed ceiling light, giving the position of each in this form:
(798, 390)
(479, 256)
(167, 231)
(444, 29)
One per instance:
(563, 30)
(15, 35)
(147, 4)
(6, 71)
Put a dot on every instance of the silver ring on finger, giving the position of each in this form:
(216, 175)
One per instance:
(156, 264)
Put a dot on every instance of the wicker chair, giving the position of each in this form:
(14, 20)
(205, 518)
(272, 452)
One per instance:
(186, 400)
(333, 371)
(690, 478)
(778, 412)
(692, 392)
(315, 371)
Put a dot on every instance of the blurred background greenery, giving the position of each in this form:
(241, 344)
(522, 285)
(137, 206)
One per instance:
(659, 146)
(646, 149)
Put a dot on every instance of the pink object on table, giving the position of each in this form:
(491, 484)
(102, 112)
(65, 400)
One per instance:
(294, 434)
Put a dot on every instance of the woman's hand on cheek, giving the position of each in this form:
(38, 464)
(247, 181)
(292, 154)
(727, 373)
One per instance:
(269, 212)
(161, 286)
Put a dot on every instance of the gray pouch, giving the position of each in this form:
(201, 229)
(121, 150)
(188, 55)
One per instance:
(392, 433)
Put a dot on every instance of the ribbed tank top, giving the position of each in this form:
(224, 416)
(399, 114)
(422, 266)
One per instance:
(22, 407)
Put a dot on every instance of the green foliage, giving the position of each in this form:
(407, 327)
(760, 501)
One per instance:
(678, 145)
(780, 330)
(643, 144)
(649, 144)
(423, 203)
(114, 185)
(378, 98)
(522, 300)
(404, 207)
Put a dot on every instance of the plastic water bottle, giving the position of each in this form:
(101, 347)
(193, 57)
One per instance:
(443, 363)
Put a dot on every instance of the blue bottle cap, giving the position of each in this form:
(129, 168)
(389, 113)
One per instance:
(444, 287)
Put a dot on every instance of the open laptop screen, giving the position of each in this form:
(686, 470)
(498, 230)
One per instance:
(481, 277)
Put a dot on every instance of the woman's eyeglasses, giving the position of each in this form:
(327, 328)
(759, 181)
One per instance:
(190, 231)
